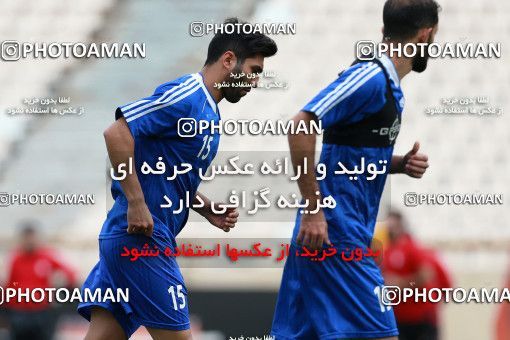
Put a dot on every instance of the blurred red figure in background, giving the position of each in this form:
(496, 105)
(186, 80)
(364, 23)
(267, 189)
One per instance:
(503, 318)
(33, 266)
(408, 264)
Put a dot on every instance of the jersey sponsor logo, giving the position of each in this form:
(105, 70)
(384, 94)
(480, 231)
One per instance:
(391, 131)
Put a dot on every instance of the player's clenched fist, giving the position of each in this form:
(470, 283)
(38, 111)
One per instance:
(313, 231)
(139, 219)
(224, 221)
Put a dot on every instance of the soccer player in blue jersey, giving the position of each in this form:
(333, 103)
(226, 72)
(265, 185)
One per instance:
(361, 113)
(144, 131)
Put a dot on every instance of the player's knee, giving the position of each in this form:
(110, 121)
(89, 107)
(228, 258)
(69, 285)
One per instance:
(162, 334)
(103, 326)
(103, 334)
(186, 336)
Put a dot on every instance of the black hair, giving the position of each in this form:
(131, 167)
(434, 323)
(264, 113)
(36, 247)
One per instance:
(243, 41)
(404, 18)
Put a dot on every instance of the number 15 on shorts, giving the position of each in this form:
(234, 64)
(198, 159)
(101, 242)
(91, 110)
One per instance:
(177, 294)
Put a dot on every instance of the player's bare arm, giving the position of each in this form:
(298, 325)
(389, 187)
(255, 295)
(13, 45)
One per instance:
(224, 221)
(413, 164)
(121, 145)
(313, 232)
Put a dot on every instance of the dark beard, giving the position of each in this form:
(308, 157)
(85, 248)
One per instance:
(420, 63)
(233, 94)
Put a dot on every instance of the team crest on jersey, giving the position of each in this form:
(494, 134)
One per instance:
(394, 130)
(391, 131)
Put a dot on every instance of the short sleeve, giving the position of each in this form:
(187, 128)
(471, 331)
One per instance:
(157, 115)
(356, 93)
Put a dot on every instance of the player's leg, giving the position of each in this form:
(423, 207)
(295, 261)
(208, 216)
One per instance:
(291, 319)
(165, 334)
(345, 293)
(103, 326)
(106, 317)
(158, 298)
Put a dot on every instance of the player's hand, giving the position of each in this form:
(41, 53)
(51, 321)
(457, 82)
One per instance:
(139, 219)
(313, 232)
(415, 164)
(225, 221)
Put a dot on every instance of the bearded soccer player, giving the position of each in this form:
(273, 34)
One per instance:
(144, 131)
(361, 113)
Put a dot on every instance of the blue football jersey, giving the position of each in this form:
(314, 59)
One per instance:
(357, 93)
(153, 122)
(334, 298)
